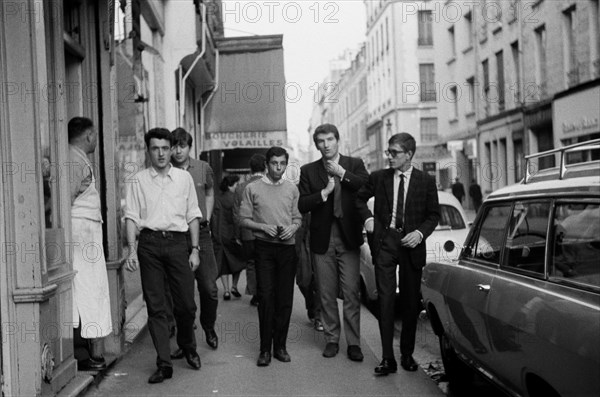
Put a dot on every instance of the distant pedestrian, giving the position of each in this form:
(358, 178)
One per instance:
(161, 203)
(91, 300)
(328, 189)
(458, 190)
(228, 250)
(475, 194)
(246, 236)
(206, 273)
(270, 208)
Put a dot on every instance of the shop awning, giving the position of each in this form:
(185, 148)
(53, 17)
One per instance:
(248, 108)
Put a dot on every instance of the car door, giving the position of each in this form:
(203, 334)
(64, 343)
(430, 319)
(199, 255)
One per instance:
(530, 314)
(468, 289)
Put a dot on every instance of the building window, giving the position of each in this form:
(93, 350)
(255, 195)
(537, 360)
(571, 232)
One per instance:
(486, 87)
(429, 129)
(471, 99)
(594, 29)
(483, 22)
(516, 58)
(500, 80)
(452, 40)
(540, 60)
(469, 28)
(453, 99)
(387, 35)
(425, 28)
(569, 47)
(427, 76)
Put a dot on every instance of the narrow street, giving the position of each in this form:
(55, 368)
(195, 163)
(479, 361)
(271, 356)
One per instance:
(231, 369)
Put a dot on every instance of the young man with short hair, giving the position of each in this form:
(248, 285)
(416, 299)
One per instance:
(270, 208)
(161, 204)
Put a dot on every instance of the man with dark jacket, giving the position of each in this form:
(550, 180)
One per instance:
(328, 189)
(406, 212)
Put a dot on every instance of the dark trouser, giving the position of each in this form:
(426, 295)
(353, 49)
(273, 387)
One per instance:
(391, 258)
(165, 257)
(86, 348)
(206, 277)
(275, 270)
(312, 300)
(249, 253)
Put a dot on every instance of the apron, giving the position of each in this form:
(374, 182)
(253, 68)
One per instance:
(91, 299)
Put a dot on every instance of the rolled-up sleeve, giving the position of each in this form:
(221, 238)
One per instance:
(132, 202)
(193, 211)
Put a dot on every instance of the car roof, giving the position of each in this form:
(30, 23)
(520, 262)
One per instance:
(587, 186)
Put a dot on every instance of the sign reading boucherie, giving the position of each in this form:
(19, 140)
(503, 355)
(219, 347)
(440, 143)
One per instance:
(244, 139)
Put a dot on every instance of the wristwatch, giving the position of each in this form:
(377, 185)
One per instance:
(195, 247)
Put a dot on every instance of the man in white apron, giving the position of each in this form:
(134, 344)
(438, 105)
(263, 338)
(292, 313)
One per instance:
(91, 301)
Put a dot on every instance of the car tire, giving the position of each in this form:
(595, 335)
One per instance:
(458, 373)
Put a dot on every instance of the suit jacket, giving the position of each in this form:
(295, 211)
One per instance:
(421, 209)
(313, 179)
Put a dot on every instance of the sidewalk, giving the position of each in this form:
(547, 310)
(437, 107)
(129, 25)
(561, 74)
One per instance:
(231, 369)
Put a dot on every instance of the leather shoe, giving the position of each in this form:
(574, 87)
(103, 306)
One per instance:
(387, 366)
(354, 353)
(264, 359)
(211, 338)
(254, 301)
(318, 325)
(161, 374)
(91, 364)
(282, 355)
(193, 359)
(235, 292)
(177, 354)
(408, 363)
(331, 350)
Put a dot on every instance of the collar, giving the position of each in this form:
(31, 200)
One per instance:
(406, 173)
(154, 173)
(78, 150)
(268, 181)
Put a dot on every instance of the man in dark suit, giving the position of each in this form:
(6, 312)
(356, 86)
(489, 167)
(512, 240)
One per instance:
(328, 189)
(406, 212)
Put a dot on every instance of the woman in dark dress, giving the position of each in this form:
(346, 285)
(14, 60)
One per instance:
(229, 255)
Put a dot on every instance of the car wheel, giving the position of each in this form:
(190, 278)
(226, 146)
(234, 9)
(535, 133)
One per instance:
(459, 374)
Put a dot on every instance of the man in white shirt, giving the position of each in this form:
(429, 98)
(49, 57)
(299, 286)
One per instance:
(161, 204)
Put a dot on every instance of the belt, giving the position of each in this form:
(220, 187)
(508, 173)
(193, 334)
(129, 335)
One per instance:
(162, 233)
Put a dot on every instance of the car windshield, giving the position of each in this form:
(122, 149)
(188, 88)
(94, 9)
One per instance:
(450, 218)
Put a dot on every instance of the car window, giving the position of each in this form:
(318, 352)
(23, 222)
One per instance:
(450, 217)
(486, 245)
(576, 246)
(526, 240)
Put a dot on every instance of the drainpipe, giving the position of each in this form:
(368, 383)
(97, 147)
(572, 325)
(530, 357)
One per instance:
(183, 79)
(205, 103)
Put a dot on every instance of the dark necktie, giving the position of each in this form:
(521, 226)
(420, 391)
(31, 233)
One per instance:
(400, 204)
(337, 198)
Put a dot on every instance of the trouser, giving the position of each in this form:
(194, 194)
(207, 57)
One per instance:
(391, 258)
(86, 348)
(164, 257)
(206, 281)
(312, 300)
(275, 270)
(339, 269)
(250, 258)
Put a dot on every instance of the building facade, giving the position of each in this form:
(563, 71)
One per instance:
(523, 78)
(57, 62)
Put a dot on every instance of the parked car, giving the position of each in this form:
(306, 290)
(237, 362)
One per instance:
(453, 225)
(521, 304)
